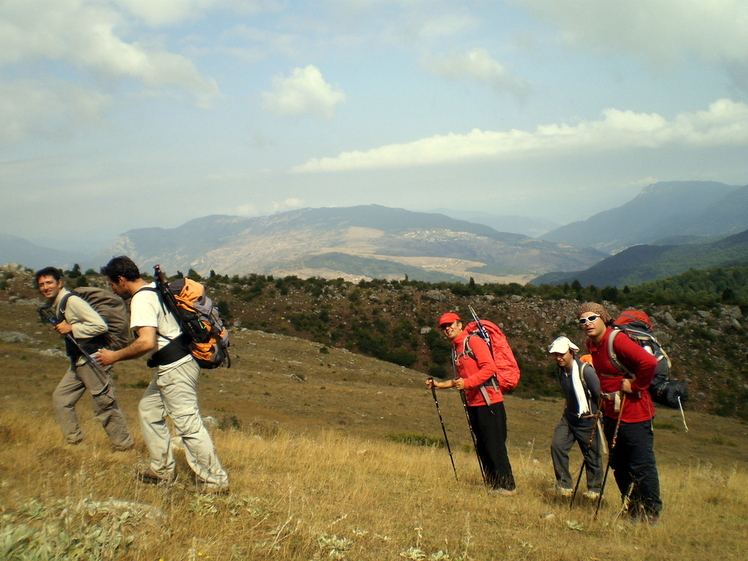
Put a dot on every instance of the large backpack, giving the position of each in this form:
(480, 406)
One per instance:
(508, 371)
(200, 321)
(638, 326)
(112, 310)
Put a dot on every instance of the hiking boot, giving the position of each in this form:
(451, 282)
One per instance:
(149, 477)
(559, 491)
(591, 495)
(124, 447)
(645, 519)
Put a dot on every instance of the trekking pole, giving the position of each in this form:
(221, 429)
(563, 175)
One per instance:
(444, 430)
(472, 435)
(682, 415)
(593, 434)
(46, 314)
(190, 324)
(610, 455)
(481, 330)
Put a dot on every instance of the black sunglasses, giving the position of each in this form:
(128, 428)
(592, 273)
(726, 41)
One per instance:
(590, 319)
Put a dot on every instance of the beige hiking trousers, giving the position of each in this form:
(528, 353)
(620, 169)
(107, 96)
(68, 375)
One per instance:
(74, 383)
(173, 393)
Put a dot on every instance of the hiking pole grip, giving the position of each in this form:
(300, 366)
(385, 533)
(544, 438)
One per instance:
(162, 284)
(444, 430)
(610, 456)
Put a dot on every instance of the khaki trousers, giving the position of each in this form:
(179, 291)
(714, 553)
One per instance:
(74, 383)
(173, 393)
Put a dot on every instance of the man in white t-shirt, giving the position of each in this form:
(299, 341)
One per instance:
(173, 390)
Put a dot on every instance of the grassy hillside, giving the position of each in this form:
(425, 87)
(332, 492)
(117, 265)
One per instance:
(314, 439)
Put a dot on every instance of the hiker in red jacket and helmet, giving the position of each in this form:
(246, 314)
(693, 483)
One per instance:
(485, 402)
(626, 399)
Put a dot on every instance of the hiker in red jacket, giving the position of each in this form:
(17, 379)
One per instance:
(626, 397)
(485, 402)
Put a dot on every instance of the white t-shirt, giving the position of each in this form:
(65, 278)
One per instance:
(146, 310)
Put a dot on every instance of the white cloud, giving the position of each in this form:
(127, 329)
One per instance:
(478, 65)
(165, 12)
(48, 110)
(87, 36)
(656, 30)
(304, 91)
(724, 124)
(169, 12)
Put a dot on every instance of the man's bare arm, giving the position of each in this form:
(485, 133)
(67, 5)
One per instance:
(146, 342)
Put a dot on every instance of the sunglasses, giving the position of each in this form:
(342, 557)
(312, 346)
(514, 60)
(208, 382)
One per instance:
(589, 319)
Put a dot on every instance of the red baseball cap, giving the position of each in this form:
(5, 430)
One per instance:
(448, 318)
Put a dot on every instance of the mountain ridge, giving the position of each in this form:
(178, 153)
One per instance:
(661, 210)
(644, 263)
(404, 242)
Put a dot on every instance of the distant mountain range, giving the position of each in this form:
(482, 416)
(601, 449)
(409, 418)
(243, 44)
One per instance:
(677, 211)
(354, 242)
(532, 227)
(380, 242)
(18, 250)
(643, 263)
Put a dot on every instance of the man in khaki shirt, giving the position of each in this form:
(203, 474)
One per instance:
(86, 326)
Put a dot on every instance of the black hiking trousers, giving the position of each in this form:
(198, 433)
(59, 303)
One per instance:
(633, 463)
(489, 426)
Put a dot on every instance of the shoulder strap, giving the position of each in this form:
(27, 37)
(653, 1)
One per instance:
(161, 300)
(467, 351)
(614, 358)
(582, 367)
(63, 304)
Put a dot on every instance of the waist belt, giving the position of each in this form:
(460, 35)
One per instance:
(174, 350)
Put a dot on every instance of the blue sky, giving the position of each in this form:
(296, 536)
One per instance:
(121, 114)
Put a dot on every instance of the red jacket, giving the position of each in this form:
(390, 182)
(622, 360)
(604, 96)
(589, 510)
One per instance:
(476, 371)
(638, 406)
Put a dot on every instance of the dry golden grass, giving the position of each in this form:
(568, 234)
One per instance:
(314, 477)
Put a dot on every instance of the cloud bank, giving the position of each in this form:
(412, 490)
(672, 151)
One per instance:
(659, 30)
(90, 38)
(725, 123)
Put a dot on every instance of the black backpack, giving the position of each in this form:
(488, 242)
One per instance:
(638, 327)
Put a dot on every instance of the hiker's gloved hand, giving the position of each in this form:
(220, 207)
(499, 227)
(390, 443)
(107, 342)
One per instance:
(63, 328)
